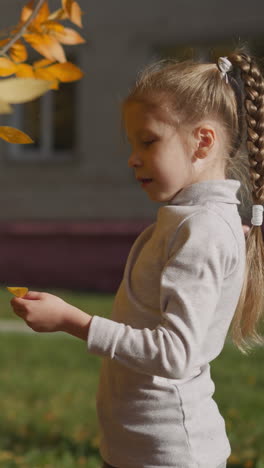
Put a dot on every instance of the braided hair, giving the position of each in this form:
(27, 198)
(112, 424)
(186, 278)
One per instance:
(254, 106)
(250, 105)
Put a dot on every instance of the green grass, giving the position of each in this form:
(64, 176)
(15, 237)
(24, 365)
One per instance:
(48, 417)
(48, 387)
(239, 384)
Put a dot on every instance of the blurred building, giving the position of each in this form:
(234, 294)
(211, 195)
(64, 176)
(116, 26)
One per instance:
(69, 206)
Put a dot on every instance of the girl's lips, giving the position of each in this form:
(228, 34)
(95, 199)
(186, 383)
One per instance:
(144, 181)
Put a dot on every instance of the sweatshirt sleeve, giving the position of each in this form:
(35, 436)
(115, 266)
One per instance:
(200, 255)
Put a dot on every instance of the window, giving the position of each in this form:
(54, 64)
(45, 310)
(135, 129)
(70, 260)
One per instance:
(50, 121)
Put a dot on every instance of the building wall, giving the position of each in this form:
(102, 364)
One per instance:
(121, 39)
(92, 183)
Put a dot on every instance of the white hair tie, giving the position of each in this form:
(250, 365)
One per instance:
(224, 66)
(257, 215)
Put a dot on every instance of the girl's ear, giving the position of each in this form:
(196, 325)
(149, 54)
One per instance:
(205, 138)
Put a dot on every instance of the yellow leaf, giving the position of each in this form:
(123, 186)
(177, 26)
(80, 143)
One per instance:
(76, 14)
(25, 71)
(42, 63)
(69, 36)
(5, 108)
(18, 52)
(17, 291)
(73, 11)
(47, 46)
(66, 5)
(66, 72)
(52, 26)
(3, 42)
(43, 14)
(27, 11)
(18, 90)
(55, 84)
(44, 74)
(58, 15)
(12, 135)
(36, 29)
(7, 67)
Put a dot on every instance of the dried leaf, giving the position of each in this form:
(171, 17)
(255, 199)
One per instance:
(43, 14)
(76, 14)
(47, 46)
(5, 108)
(7, 67)
(18, 52)
(52, 26)
(25, 71)
(44, 74)
(27, 11)
(42, 63)
(18, 90)
(3, 42)
(66, 5)
(58, 15)
(73, 11)
(12, 135)
(17, 291)
(66, 72)
(69, 36)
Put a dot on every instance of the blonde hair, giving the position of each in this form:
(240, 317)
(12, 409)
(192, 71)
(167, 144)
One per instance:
(193, 91)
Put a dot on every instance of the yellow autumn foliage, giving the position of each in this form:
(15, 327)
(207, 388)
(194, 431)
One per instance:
(20, 90)
(17, 290)
(65, 72)
(7, 67)
(42, 30)
(73, 11)
(18, 53)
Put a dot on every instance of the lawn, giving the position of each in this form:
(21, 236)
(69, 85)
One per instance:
(48, 385)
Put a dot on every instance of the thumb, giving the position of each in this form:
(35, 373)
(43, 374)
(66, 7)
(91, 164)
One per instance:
(33, 295)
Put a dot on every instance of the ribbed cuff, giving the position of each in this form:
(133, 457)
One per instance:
(103, 336)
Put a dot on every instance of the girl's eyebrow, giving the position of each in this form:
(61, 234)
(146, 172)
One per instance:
(141, 131)
(138, 133)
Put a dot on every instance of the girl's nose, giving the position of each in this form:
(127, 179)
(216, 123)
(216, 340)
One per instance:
(134, 160)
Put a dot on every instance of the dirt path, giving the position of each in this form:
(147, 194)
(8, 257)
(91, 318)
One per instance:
(14, 326)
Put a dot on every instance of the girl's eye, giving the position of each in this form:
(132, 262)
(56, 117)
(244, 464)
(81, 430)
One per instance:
(148, 142)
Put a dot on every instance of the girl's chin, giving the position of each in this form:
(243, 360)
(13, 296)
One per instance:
(159, 198)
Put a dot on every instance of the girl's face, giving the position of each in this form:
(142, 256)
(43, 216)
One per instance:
(160, 156)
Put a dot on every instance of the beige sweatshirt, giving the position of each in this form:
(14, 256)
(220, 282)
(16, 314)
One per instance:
(170, 318)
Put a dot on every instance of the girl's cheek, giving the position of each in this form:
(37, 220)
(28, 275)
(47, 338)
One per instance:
(156, 160)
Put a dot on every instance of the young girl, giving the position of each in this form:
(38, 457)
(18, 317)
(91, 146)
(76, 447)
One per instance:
(186, 277)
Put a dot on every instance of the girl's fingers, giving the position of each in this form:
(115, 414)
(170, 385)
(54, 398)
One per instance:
(18, 306)
(33, 295)
(19, 311)
(16, 302)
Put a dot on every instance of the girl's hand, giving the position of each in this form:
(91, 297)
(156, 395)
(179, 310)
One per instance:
(45, 312)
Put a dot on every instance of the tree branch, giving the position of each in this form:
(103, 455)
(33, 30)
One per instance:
(22, 29)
